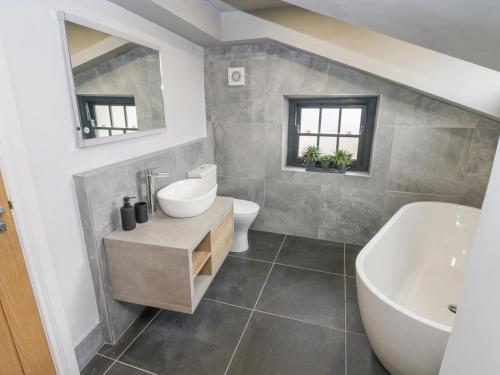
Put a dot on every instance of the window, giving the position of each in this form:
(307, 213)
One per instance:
(332, 124)
(103, 116)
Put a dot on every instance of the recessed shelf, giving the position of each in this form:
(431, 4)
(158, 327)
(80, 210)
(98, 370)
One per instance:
(200, 258)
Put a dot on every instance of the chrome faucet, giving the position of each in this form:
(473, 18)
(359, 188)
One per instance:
(151, 175)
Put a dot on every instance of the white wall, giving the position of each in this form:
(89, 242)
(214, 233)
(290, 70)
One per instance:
(30, 35)
(473, 347)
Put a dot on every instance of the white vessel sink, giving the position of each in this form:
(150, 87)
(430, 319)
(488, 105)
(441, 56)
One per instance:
(187, 198)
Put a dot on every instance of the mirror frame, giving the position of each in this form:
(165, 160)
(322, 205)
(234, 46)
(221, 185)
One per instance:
(81, 142)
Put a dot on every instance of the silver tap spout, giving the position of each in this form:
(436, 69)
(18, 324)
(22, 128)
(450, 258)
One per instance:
(151, 175)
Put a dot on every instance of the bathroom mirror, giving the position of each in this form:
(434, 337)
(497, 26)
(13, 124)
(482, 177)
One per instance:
(115, 83)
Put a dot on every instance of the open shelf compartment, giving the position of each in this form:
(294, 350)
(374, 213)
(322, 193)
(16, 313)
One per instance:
(200, 257)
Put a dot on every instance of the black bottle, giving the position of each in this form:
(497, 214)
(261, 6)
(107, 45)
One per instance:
(128, 214)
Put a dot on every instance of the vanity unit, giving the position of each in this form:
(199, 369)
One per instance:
(169, 262)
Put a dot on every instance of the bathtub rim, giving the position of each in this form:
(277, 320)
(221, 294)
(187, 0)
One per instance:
(361, 274)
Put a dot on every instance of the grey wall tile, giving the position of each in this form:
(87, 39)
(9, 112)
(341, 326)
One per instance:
(479, 163)
(87, 348)
(242, 188)
(106, 189)
(419, 110)
(239, 149)
(431, 161)
(290, 208)
(350, 215)
(237, 103)
(421, 144)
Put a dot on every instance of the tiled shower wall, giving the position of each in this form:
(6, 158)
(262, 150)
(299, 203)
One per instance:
(424, 149)
(100, 193)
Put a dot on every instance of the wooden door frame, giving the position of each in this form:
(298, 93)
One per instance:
(21, 188)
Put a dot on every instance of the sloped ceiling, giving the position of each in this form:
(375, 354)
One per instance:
(468, 30)
(246, 5)
(457, 80)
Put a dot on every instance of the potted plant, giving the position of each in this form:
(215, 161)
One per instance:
(310, 155)
(325, 160)
(342, 160)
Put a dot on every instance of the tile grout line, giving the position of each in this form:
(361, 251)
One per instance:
(285, 317)
(227, 303)
(131, 342)
(246, 258)
(269, 273)
(292, 266)
(254, 306)
(311, 269)
(298, 320)
(137, 368)
(125, 364)
(345, 316)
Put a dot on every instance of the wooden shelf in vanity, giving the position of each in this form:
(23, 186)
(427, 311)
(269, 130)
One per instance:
(167, 262)
(200, 259)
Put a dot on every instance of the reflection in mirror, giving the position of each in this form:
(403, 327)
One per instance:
(118, 84)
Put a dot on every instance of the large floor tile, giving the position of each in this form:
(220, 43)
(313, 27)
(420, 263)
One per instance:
(351, 252)
(263, 245)
(311, 296)
(360, 358)
(121, 369)
(97, 366)
(183, 344)
(272, 345)
(353, 317)
(239, 281)
(130, 334)
(311, 253)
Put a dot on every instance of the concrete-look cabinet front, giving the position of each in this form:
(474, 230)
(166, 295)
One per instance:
(168, 262)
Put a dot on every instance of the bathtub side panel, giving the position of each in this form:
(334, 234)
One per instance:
(404, 345)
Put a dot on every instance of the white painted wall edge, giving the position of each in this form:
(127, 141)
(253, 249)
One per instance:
(439, 75)
(473, 344)
(195, 20)
(21, 188)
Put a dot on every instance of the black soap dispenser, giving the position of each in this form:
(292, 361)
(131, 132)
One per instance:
(127, 213)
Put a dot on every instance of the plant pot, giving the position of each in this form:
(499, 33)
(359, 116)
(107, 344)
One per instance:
(325, 164)
(309, 164)
(342, 169)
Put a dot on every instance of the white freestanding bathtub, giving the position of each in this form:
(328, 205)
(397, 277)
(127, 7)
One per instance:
(407, 276)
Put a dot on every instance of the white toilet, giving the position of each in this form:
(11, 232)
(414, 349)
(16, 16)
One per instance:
(244, 213)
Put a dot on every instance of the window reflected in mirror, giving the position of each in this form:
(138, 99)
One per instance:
(117, 83)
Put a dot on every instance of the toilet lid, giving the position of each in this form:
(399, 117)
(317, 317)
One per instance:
(244, 208)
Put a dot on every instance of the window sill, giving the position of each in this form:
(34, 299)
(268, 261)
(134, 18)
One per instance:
(348, 173)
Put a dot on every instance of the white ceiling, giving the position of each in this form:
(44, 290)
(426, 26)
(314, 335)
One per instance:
(466, 29)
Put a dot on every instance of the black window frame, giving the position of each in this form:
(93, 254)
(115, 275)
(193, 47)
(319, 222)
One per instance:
(368, 116)
(86, 105)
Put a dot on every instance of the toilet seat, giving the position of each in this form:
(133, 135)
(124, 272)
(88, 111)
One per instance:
(242, 208)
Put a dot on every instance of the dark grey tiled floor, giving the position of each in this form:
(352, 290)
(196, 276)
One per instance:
(310, 296)
(313, 254)
(275, 309)
(263, 246)
(273, 345)
(239, 281)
